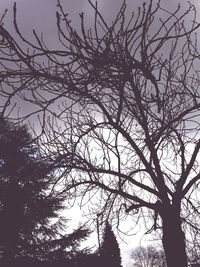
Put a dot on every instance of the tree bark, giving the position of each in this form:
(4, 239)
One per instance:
(173, 238)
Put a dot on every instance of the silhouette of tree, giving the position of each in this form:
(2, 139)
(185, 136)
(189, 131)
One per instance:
(119, 107)
(66, 248)
(110, 251)
(28, 201)
(148, 257)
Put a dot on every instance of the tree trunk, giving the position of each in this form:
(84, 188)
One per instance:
(173, 238)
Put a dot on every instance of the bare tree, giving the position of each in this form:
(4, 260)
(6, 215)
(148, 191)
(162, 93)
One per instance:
(119, 111)
(148, 257)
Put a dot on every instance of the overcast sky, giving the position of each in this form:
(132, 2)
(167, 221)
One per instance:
(40, 14)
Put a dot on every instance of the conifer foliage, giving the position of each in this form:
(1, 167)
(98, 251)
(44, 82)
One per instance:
(28, 201)
(110, 251)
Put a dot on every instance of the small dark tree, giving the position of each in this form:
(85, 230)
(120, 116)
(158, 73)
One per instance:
(110, 251)
(28, 201)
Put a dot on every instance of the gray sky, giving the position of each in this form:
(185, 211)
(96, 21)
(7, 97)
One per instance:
(40, 15)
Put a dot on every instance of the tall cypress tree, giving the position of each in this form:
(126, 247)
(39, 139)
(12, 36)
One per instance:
(110, 251)
(28, 201)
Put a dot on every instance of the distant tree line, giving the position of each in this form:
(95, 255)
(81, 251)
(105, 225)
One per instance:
(148, 256)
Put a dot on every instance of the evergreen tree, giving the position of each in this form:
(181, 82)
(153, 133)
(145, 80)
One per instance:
(110, 251)
(28, 201)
